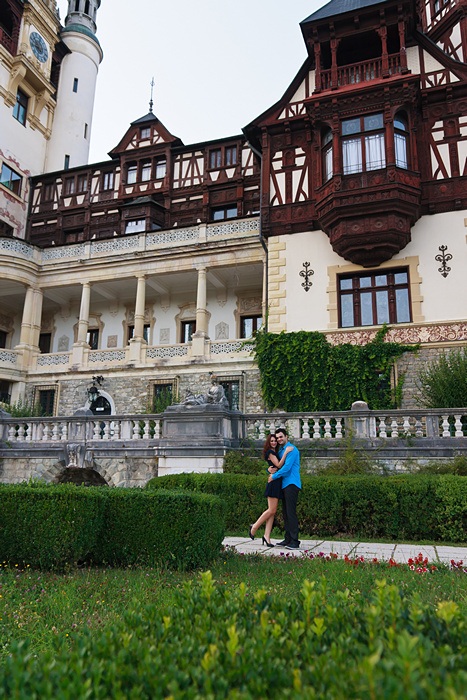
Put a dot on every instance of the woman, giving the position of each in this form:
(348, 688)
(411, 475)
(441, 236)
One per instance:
(273, 489)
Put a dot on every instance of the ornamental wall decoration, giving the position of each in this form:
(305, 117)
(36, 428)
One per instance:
(307, 274)
(443, 259)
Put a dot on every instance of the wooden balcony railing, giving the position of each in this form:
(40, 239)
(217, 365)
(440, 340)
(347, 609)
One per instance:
(364, 71)
(7, 41)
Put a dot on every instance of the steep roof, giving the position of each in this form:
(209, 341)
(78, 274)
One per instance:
(340, 7)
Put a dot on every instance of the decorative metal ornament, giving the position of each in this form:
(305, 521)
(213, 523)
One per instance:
(306, 273)
(443, 259)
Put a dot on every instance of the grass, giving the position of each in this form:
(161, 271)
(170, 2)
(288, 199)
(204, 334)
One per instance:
(51, 610)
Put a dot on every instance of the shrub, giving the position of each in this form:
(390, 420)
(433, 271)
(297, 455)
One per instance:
(219, 643)
(410, 507)
(240, 463)
(51, 527)
(351, 461)
(443, 383)
(457, 465)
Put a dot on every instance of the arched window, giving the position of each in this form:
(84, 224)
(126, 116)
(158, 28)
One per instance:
(400, 141)
(326, 149)
(77, 5)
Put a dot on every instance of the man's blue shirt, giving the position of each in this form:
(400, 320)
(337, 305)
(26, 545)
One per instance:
(290, 470)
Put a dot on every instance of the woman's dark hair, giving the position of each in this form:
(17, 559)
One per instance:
(267, 445)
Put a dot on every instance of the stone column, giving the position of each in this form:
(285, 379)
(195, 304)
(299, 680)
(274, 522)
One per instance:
(139, 308)
(136, 343)
(83, 323)
(36, 317)
(201, 334)
(26, 323)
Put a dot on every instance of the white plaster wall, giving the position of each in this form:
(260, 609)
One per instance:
(74, 110)
(308, 310)
(444, 299)
(413, 59)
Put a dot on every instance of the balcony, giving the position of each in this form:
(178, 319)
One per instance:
(7, 41)
(355, 73)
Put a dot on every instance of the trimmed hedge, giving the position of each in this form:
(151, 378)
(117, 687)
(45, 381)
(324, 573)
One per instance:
(51, 527)
(402, 507)
(221, 643)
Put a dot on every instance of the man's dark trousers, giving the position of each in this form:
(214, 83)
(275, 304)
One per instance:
(289, 509)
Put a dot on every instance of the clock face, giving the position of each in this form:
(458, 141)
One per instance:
(38, 47)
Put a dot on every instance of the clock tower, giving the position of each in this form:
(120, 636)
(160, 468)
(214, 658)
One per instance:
(69, 143)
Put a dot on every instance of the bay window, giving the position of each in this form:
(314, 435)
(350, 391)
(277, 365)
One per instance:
(400, 141)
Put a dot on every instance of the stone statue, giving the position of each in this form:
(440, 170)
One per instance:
(215, 396)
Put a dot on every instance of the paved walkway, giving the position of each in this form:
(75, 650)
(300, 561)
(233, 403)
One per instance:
(401, 553)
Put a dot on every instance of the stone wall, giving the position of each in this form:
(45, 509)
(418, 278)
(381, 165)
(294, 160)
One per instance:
(409, 365)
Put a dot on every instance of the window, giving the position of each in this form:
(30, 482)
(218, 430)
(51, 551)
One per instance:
(66, 162)
(373, 298)
(92, 338)
(82, 183)
(161, 168)
(46, 400)
(45, 342)
(20, 109)
(215, 158)
(145, 132)
(85, 131)
(5, 229)
(70, 185)
(232, 391)
(131, 173)
(227, 212)
(75, 84)
(131, 332)
(48, 192)
(107, 181)
(363, 144)
(135, 226)
(146, 170)
(3, 337)
(5, 391)
(163, 396)
(400, 141)
(11, 179)
(327, 155)
(231, 155)
(249, 325)
(187, 328)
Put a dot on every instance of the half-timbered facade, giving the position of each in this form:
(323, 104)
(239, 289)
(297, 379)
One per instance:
(342, 207)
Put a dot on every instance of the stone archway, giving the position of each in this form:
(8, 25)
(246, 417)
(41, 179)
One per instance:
(81, 477)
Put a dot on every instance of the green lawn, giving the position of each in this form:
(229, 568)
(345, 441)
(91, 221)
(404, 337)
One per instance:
(51, 610)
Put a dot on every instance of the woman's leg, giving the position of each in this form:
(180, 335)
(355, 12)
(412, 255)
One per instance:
(270, 512)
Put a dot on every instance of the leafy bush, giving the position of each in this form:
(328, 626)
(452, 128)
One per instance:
(218, 643)
(457, 465)
(351, 461)
(401, 507)
(443, 383)
(51, 527)
(236, 462)
(22, 409)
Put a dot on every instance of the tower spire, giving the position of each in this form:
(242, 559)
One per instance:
(151, 101)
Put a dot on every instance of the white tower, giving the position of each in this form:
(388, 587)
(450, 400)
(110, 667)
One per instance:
(71, 132)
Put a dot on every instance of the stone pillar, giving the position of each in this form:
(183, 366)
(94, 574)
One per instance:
(201, 334)
(26, 323)
(136, 343)
(83, 323)
(36, 317)
(139, 308)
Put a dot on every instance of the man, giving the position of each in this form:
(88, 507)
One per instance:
(291, 485)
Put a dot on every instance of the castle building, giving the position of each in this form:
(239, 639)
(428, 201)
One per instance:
(340, 208)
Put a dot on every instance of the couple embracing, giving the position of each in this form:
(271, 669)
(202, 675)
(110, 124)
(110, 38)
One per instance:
(284, 483)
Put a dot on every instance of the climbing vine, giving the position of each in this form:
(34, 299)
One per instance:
(302, 371)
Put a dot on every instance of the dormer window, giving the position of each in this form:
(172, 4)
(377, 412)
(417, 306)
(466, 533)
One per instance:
(363, 144)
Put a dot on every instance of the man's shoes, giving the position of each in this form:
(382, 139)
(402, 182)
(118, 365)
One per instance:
(284, 543)
(292, 546)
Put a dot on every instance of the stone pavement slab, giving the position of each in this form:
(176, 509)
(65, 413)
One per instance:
(401, 553)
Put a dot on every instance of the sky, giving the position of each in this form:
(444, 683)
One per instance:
(217, 64)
